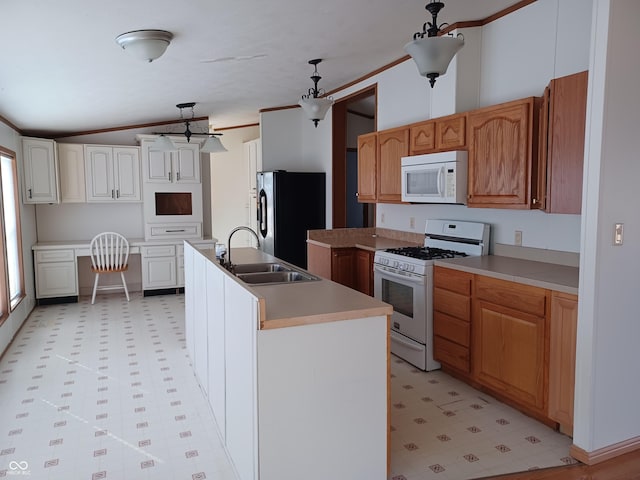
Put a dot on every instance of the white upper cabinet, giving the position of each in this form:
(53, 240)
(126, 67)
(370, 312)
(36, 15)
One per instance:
(71, 169)
(40, 171)
(112, 173)
(181, 166)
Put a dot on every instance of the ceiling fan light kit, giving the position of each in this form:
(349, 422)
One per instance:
(147, 45)
(315, 103)
(431, 52)
(211, 145)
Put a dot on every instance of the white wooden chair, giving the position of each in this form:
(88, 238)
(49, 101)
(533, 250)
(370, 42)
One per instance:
(109, 254)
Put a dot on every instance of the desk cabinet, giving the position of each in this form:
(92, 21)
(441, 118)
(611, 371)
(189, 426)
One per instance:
(40, 171)
(56, 273)
(112, 174)
(181, 166)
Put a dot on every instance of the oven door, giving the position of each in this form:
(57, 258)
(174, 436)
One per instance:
(408, 295)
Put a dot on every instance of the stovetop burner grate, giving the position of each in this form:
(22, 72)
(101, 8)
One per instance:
(425, 253)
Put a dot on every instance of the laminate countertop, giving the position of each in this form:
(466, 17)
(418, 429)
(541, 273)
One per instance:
(551, 276)
(303, 303)
(371, 239)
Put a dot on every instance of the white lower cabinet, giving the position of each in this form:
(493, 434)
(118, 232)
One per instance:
(163, 265)
(159, 267)
(56, 274)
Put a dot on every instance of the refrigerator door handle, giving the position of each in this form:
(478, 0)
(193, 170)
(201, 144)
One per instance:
(262, 214)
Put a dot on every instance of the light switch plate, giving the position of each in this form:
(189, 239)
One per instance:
(517, 240)
(618, 233)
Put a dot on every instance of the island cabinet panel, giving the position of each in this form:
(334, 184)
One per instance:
(452, 318)
(314, 422)
(240, 322)
(367, 166)
(562, 358)
(510, 351)
(214, 294)
(319, 260)
(501, 154)
(393, 144)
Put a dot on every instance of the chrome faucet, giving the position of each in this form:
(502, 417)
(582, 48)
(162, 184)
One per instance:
(242, 227)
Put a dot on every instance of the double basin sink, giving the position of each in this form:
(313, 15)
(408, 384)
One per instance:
(271, 273)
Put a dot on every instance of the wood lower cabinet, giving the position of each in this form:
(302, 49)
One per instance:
(364, 271)
(502, 155)
(562, 358)
(452, 318)
(352, 267)
(509, 347)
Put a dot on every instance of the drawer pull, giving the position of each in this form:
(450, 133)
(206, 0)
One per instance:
(175, 231)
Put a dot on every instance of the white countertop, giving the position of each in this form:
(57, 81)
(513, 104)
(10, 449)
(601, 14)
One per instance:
(304, 303)
(551, 276)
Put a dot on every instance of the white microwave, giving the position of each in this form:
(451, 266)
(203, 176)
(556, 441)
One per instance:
(435, 178)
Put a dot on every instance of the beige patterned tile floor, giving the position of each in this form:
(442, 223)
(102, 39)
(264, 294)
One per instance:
(106, 391)
(444, 429)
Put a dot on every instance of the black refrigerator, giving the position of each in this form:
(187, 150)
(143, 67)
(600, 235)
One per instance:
(289, 204)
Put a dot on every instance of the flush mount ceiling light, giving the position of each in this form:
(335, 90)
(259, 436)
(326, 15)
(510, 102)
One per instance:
(315, 103)
(211, 145)
(145, 44)
(433, 53)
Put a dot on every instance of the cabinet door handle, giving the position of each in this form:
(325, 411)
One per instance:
(113, 194)
(30, 196)
(118, 193)
(177, 176)
(169, 176)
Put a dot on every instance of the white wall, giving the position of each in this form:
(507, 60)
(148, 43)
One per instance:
(607, 381)
(12, 141)
(229, 184)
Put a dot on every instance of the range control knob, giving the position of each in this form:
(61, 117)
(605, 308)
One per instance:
(396, 264)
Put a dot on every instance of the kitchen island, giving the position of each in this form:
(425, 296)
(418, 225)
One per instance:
(296, 374)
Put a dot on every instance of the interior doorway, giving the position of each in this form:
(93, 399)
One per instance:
(352, 116)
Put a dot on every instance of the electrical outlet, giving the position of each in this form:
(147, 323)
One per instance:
(518, 238)
(382, 218)
(412, 223)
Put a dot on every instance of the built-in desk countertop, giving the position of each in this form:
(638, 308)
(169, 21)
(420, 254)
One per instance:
(162, 264)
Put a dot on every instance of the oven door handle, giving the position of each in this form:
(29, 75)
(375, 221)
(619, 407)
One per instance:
(405, 343)
(412, 279)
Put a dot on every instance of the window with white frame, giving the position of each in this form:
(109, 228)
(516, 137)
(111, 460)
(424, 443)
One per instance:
(12, 281)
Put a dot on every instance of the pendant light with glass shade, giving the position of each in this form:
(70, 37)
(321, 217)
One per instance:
(432, 52)
(315, 103)
(211, 145)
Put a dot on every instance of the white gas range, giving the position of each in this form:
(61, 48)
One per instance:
(403, 277)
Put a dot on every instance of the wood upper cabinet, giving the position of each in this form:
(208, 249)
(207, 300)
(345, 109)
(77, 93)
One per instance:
(562, 358)
(502, 155)
(452, 318)
(444, 133)
(562, 127)
(367, 165)
(509, 347)
(393, 144)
